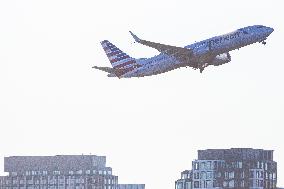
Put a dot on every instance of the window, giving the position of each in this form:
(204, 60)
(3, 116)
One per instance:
(231, 184)
(196, 175)
(226, 175)
(203, 175)
(242, 174)
(196, 184)
(240, 164)
(196, 166)
(202, 184)
(179, 185)
(219, 174)
(225, 183)
(188, 185)
(209, 175)
(231, 175)
(202, 165)
(56, 172)
(215, 165)
(209, 184)
(208, 165)
(242, 183)
(251, 174)
(274, 175)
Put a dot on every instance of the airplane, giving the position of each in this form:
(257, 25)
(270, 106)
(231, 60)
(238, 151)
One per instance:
(213, 51)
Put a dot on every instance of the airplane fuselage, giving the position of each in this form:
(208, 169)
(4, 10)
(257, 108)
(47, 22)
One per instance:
(204, 53)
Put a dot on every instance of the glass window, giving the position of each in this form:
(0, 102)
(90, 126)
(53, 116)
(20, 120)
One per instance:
(179, 185)
(274, 175)
(208, 165)
(202, 165)
(56, 172)
(209, 184)
(231, 184)
(242, 183)
(188, 185)
(196, 184)
(196, 166)
(242, 174)
(196, 175)
(231, 175)
(265, 166)
(251, 174)
(215, 165)
(209, 175)
(240, 164)
(203, 175)
(225, 184)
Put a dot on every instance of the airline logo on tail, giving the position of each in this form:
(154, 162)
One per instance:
(120, 61)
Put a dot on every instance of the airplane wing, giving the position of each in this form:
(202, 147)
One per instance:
(180, 53)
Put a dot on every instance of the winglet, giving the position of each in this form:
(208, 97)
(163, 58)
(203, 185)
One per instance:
(135, 37)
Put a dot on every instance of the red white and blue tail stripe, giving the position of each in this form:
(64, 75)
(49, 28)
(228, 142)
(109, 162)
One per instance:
(120, 61)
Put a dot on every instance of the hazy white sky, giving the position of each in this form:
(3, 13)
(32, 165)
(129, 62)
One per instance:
(53, 102)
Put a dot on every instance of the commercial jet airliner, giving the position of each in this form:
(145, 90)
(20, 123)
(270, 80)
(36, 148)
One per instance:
(213, 51)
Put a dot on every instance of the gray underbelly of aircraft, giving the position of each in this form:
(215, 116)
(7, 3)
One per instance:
(157, 68)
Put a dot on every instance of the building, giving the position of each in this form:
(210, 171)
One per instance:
(58, 172)
(131, 186)
(231, 168)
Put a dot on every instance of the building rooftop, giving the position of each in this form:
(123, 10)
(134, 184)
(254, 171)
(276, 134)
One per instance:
(235, 154)
(58, 162)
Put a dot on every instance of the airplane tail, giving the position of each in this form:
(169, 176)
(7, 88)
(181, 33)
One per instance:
(120, 61)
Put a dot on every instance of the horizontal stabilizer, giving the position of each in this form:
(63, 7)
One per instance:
(105, 69)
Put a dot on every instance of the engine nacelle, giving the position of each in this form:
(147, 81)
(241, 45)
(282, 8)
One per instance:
(221, 59)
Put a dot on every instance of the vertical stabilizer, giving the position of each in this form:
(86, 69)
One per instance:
(120, 61)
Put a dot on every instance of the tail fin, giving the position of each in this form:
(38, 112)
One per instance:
(120, 61)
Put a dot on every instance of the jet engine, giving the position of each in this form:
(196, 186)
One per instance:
(221, 59)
